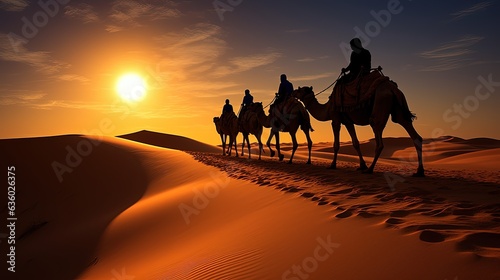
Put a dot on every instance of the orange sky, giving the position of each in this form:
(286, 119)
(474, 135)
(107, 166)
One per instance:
(63, 79)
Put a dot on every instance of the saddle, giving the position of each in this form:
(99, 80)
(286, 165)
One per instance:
(227, 119)
(356, 94)
(281, 113)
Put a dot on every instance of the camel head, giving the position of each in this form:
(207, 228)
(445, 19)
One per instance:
(216, 119)
(302, 92)
(257, 107)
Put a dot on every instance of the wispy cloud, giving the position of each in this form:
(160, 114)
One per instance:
(40, 101)
(193, 51)
(13, 5)
(451, 55)
(21, 97)
(74, 78)
(317, 77)
(41, 61)
(81, 11)
(312, 59)
(246, 63)
(65, 104)
(471, 10)
(129, 13)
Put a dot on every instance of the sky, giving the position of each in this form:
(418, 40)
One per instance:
(60, 61)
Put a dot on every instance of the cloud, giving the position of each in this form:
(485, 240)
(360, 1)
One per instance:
(83, 12)
(317, 77)
(190, 52)
(129, 13)
(74, 78)
(41, 61)
(21, 97)
(63, 104)
(470, 11)
(13, 5)
(312, 59)
(246, 63)
(451, 55)
(166, 113)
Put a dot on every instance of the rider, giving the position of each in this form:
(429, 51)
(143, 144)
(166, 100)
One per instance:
(247, 100)
(361, 60)
(227, 109)
(285, 89)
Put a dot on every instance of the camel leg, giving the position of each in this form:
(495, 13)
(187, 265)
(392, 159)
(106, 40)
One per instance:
(295, 145)
(248, 145)
(230, 146)
(378, 126)
(309, 145)
(243, 146)
(223, 139)
(235, 145)
(226, 144)
(417, 141)
(378, 149)
(336, 143)
(277, 137)
(268, 143)
(258, 136)
(355, 143)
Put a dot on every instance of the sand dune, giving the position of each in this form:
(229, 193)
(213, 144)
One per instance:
(127, 210)
(170, 141)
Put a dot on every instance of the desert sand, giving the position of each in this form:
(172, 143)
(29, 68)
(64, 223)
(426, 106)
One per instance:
(93, 207)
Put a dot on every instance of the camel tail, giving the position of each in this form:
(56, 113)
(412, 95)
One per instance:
(305, 120)
(406, 114)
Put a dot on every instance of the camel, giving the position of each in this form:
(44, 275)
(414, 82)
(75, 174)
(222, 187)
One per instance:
(289, 122)
(227, 127)
(223, 137)
(384, 103)
(249, 124)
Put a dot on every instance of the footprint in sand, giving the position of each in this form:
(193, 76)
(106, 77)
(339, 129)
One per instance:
(431, 236)
(394, 221)
(480, 240)
(368, 214)
(292, 189)
(307, 195)
(400, 213)
(344, 191)
(344, 214)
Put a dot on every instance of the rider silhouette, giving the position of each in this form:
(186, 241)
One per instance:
(227, 109)
(285, 89)
(247, 100)
(361, 60)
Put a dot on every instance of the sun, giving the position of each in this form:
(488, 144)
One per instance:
(131, 87)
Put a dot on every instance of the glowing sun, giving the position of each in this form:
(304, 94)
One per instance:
(131, 87)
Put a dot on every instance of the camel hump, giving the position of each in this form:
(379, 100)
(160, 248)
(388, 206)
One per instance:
(353, 95)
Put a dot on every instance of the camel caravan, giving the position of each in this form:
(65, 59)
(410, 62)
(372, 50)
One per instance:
(361, 96)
